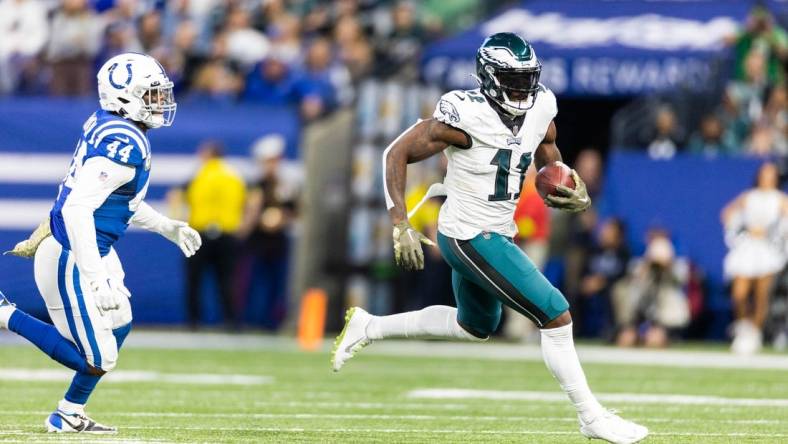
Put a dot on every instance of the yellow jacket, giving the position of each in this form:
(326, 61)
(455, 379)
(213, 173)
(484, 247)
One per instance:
(216, 198)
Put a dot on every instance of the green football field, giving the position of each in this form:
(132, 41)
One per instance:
(277, 394)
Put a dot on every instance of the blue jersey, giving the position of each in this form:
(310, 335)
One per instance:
(107, 135)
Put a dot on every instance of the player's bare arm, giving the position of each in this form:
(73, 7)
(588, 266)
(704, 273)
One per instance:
(547, 152)
(419, 142)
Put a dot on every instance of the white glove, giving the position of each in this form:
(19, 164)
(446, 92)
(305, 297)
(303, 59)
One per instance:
(182, 235)
(109, 293)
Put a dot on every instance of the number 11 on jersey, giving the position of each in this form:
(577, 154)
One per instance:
(503, 159)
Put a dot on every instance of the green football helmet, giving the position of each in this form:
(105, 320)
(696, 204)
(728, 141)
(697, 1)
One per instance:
(508, 72)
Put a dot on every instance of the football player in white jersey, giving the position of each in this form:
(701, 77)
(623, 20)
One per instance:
(490, 136)
(77, 270)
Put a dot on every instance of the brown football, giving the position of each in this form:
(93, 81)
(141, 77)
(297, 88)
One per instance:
(552, 175)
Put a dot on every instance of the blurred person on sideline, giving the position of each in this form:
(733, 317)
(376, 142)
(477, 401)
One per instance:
(268, 221)
(762, 34)
(650, 301)
(533, 232)
(754, 225)
(215, 198)
(667, 136)
(572, 234)
(606, 264)
(711, 139)
(77, 29)
(24, 30)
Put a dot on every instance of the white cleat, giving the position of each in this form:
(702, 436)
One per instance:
(613, 428)
(60, 422)
(352, 338)
(747, 339)
(6, 309)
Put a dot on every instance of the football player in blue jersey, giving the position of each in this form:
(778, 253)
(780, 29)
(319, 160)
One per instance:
(77, 270)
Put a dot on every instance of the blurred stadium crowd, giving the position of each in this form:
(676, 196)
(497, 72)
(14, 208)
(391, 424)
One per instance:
(306, 52)
(320, 57)
(751, 117)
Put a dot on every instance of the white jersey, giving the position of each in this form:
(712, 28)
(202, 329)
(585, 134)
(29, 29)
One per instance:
(483, 182)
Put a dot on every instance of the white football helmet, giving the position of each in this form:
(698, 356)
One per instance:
(136, 87)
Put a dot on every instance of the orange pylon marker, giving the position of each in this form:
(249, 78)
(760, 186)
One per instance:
(312, 319)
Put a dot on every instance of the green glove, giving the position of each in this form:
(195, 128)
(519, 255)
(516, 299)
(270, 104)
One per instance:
(570, 200)
(407, 246)
(27, 248)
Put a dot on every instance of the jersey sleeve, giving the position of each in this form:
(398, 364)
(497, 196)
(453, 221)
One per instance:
(550, 104)
(120, 142)
(452, 109)
(448, 109)
(121, 149)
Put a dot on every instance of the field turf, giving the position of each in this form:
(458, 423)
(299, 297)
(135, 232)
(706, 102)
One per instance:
(298, 399)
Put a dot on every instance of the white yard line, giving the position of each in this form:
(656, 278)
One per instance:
(365, 405)
(638, 398)
(124, 376)
(442, 431)
(365, 416)
(494, 350)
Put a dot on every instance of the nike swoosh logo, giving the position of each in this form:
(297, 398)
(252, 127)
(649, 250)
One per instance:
(459, 96)
(122, 140)
(349, 348)
(79, 426)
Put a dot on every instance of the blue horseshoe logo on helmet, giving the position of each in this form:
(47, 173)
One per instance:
(128, 79)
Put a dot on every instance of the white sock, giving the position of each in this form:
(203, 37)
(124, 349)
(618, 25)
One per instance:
(436, 321)
(70, 408)
(558, 351)
(5, 315)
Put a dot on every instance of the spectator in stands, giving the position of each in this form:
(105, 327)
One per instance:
(119, 37)
(397, 53)
(150, 30)
(217, 78)
(353, 47)
(215, 197)
(667, 134)
(246, 46)
(267, 225)
(606, 265)
(24, 30)
(775, 118)
(650, 301)
(71, 54)
(185, 58)
(285, 35)
(746, 97)
(761, 142)
(711, 140)
(755, 227)
(322, 85)
(761, 34)
(271, 82)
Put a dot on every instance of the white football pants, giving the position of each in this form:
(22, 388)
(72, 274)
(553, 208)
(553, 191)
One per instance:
(71, 305)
